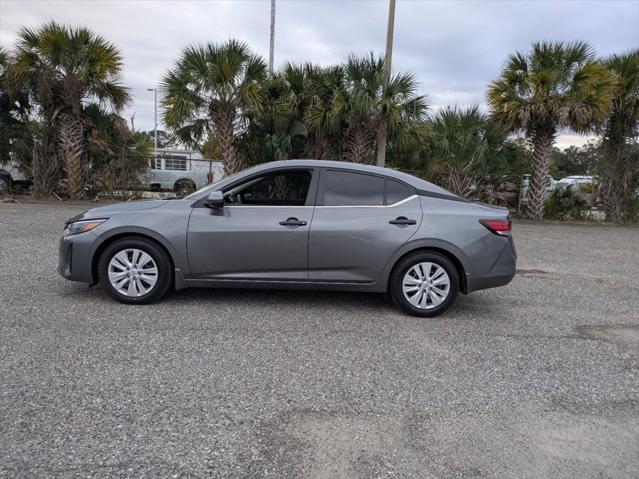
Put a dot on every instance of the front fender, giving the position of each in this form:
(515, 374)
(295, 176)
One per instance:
(174, 244)
(136, 231)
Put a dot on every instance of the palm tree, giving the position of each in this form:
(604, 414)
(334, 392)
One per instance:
(369, 105)
(14, 109)
(620, 168)
(555, 85)
(293, 83)
(465, 147)
(6, 119)
(324, 115)
(404, 114)
(65, 69)
(364, 81)
(212, 89)
(287, 96)
(356, 104)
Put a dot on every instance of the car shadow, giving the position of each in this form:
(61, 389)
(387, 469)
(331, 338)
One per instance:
(274, 296)
(465, 305)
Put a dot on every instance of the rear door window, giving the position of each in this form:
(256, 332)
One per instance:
(345, 188)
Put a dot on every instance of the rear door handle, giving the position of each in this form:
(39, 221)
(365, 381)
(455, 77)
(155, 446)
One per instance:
(293, 222)
(402, 221)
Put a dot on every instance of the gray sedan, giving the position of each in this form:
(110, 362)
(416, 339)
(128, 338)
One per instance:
(299, 224)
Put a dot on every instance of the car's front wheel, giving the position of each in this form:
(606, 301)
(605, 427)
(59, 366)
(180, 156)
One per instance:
(135, 271)
(424, 284)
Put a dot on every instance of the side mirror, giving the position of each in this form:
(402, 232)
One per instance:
(215, 200)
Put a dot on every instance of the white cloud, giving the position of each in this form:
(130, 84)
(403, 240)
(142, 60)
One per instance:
(572, 139)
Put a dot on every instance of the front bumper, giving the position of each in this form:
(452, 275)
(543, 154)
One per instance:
(75, 254)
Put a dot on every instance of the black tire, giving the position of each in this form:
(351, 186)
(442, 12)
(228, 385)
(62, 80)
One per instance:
(405, 265)
(5, 184)
(157, 253)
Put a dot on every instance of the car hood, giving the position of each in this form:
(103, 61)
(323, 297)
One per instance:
(115, 208)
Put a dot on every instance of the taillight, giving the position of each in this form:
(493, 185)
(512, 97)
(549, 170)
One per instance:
(499, 227)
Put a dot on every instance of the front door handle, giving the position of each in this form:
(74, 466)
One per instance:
(402, 221)
(293, 222)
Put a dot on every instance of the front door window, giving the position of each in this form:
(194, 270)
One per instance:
(288, 188)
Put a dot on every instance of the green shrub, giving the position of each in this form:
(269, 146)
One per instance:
(564, 203)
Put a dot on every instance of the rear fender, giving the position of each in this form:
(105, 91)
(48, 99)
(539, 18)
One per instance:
(421, 244)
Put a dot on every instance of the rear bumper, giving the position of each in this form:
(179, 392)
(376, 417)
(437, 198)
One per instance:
(74, 257)
(502, 271)
(491, 282)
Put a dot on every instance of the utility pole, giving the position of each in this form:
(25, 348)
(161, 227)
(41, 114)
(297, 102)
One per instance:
(271, 55)
(155, 123)
(382, 131)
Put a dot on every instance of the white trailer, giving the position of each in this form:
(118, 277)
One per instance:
(180, 170)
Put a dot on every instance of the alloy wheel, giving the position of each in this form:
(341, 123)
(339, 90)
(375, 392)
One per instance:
(426, 285)
(132, 272)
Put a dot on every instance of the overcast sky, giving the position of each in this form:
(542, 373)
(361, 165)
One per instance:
(454, 48)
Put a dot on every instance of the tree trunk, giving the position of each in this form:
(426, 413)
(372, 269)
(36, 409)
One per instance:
(45, 162)
(71, 137)
(542, 141)
(39, 187)
(225, 134)
(317, 147)
(611, 190)
(617, 187)
(381, 144)
(359, 144)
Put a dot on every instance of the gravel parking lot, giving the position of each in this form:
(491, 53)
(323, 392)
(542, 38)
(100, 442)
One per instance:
(538, 379)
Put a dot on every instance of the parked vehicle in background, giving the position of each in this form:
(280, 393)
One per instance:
(297, 224)
(180, 170)
(11, 176)
(575, 181)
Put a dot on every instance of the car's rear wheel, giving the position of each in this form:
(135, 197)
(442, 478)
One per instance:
(4, 184)
(424, 284)
(135, 271)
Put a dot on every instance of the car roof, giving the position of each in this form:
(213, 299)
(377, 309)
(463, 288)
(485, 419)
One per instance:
(356, 167)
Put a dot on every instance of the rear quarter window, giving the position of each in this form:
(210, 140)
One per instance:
(396, 191)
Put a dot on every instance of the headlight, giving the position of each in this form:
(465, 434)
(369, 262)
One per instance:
(81, 226)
